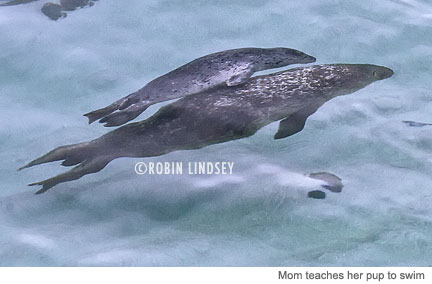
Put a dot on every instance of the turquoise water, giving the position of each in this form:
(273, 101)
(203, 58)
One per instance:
(53, 72)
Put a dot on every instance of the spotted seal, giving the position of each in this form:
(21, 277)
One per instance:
(218, 115)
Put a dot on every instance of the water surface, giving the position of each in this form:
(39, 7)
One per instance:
(53, 72)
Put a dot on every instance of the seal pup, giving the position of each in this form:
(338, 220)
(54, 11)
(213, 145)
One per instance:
(232, 67)
(216, 116)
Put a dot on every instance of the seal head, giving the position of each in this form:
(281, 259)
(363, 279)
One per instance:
(281, 56)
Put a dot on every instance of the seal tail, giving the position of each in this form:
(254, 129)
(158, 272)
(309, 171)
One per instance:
(86, 167)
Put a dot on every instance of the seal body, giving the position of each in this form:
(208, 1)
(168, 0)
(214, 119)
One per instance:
(230, 67)
(215, 116)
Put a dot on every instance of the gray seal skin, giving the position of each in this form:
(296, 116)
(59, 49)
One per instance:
(216, 116)
(231, 67)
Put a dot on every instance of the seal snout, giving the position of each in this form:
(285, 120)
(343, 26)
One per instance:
(304, 58)
(309, 59)
(381, 72)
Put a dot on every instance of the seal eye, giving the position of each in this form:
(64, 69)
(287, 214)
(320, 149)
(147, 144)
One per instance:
(374, 73)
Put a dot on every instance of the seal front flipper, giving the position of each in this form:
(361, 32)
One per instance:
(290, 126)
(334, 183)
(295, 122)
(240, 78)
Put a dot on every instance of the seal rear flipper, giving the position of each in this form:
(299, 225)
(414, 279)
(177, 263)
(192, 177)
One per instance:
(240, 78)
(295, 122)
(93, 165)
(122, 116)
(99, 113)
(119, 104)
(76, 152)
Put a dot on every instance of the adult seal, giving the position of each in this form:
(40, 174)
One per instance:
(232, 67)
(216, 116)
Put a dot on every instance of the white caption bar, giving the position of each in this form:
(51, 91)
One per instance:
(410, 275)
